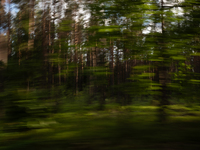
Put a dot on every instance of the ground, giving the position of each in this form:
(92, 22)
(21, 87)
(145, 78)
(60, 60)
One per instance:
(116, 128)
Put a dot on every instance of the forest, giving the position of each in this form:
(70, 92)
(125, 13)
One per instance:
(100, 74)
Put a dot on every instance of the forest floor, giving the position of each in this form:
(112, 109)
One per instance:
(128, 127)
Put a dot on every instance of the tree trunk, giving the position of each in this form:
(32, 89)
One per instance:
(31, 24)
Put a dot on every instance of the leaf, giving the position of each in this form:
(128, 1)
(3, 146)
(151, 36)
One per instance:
(180, 57)
(194, 81)
(147, 75)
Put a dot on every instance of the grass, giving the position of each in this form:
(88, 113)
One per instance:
(116, 128)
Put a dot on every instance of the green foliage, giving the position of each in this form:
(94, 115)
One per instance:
(100, 83)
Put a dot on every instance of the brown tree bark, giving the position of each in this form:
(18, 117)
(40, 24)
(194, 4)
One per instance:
(163, 76)
(31, 24)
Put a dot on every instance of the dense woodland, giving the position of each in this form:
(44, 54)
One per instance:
(67, 61)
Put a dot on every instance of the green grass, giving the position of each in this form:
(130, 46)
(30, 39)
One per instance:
(116, 128)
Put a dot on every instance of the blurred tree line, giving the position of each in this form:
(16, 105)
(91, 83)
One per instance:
(97, 52)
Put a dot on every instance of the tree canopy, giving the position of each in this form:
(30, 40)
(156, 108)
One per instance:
(61, 55)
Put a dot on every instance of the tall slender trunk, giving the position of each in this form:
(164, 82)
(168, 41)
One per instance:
(9, 29)
(3, 41)
(59, 66)
(112, 62)
(89, 63)
(3, 49)
(163, 76)
(19, 40)
(76, 42)
(52, 41)
(31, 24)
(76, 56)
(49, 47)
(44, 46)
(66, 59)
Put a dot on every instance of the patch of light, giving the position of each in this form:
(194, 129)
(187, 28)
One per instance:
(146, 30)
(170, 3)
(178, 11)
